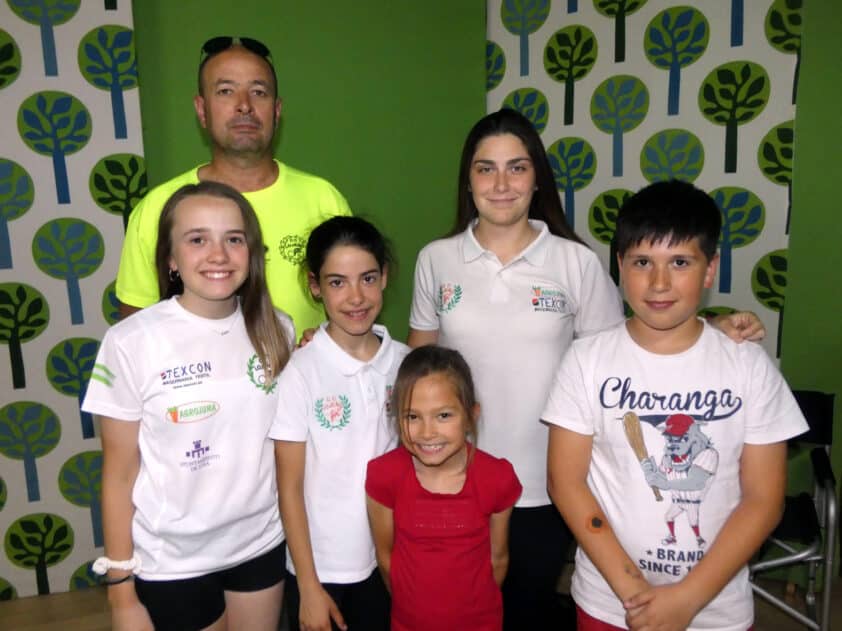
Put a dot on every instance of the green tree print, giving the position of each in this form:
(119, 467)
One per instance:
(7, 590)
(39, 541)
(774, 157)
(9, 59)
(619, 10)
(732, 95)
(743, 217)
(69, 249)
(495, 65)
(532, 104)
(783, 30)
(28, 431)
(602, 222)
(55, 124)
(107, 61)
(675, 38)
(672, 154)
(80, 483)
(69, 366)
(110, 304)
(16, 195)
(619, 104)
(569, 55)
(4, 493)
(23, 316)
(522, 18)
(118, 181)
(573, 162)
(46, 14)
(768, 283)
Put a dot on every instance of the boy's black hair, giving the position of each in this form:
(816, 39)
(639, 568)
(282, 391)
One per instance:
(674, 211)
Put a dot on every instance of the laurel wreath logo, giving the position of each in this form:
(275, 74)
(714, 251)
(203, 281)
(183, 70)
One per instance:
(333, 412)
(259, 377)
(449, 297)
(292, 248)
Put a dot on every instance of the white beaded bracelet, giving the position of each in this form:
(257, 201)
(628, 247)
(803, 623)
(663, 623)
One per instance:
(103, 564)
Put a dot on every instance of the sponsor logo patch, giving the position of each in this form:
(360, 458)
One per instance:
(192, 412)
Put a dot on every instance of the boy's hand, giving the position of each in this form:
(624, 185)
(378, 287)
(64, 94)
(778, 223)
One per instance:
(316, 611)
(740, 326)
(661, 608)
(306, 338)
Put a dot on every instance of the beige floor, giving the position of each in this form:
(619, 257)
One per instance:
(88, 611)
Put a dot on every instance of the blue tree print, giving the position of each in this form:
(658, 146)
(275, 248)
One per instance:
(84, 577)
(80, 483)
(28, 431)
(743, 216)
(46, 14)
(24, 315)
(69, 366)
(522, 18)
(107, 61)
(110, 303)
(573, 162)
(55, 124)
(675, 38)
(619, 10)
(532, 104)
(774, 157)
(569, 55)
(672, 154)
(619, 104)
(69, 249)
(16, 194)
(737, 18)
(572, 6)
(495, 65)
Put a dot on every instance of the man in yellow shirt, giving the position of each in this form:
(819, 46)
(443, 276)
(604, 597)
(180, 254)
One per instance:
(239, 107)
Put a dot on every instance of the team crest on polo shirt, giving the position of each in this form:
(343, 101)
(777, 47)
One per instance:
(292, 248)
(547, 299)
(333, 412)
(258, 376)
(449, 296)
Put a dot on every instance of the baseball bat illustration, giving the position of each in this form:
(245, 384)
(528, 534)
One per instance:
(635, 437)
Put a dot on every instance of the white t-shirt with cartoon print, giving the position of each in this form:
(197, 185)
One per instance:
(337, 405)
(697, 409)
(513, 323)
(205, 496)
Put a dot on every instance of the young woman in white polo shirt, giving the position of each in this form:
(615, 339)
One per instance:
(185, 392)
(510, 288)
(331, 420)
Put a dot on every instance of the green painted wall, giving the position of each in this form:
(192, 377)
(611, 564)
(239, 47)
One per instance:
(812, 341)
(377, 98)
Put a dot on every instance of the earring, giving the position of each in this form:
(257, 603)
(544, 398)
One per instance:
(174, 275)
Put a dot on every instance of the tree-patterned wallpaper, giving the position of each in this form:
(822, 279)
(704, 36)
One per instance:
(627, 92)
(71, 168)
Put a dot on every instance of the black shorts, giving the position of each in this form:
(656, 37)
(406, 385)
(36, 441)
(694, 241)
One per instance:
(194, 603)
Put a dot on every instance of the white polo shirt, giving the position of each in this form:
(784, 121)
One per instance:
(338, 405)
(205, 496)
(513, 323)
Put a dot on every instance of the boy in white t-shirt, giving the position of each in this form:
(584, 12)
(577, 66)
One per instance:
(667, 452)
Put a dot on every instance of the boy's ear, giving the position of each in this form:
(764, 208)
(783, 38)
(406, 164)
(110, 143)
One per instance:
(475, 413)
(313, 283)
(384, 277)
(710, 273)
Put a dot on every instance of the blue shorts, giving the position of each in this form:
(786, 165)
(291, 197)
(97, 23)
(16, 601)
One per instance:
(194, 603)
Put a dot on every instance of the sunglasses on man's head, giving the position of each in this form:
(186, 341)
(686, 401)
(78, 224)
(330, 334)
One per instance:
(223, 42)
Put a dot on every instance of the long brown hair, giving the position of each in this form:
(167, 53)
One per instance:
(545, 204)
(264, 330)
